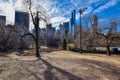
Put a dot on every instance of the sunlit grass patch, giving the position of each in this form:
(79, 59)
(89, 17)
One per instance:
(85, 54)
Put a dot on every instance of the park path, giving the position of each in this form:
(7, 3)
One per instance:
(60, 65)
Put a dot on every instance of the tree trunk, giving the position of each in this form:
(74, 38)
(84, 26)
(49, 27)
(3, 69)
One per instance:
(108, 47)
(108, 50)
(37, 35)
(37, 49)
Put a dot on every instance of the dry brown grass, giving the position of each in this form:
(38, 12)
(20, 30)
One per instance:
(3, 55)
(62, 65)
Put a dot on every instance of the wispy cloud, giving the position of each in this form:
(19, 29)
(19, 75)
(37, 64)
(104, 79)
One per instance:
(18, 5)
(7, 10)
(93, 1)
(58, 10)
(59, 19)
(109, 4)
(8, 7)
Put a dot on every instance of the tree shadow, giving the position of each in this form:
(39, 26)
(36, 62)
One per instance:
(104, 67)
(34, 74)
(48, 75)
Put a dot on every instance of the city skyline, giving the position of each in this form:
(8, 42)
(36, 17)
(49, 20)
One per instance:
(60, 10)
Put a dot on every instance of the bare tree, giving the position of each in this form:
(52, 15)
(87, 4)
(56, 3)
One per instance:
(107, 36)
(36, 16)
(86, 31)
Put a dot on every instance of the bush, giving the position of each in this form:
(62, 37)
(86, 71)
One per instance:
(115, 50)
(75, 49)
(53, 42)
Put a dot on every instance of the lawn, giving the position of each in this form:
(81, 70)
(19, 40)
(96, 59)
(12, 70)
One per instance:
(61, 65)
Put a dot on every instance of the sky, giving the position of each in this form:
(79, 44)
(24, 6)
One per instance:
(60, 10)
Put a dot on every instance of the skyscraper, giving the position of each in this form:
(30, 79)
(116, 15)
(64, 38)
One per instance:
(66, 26)
(114, 26)
(50, 30)
(95, 26)
(61, 30)
(3, 20)
(22, 19)
(73, 22)
(95, 23)
(74, 16)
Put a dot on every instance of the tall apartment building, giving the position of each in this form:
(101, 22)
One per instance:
(3, 20)
(22, 19)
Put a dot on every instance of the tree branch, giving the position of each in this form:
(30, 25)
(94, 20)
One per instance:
(113, 39)
(30, 3)
(30, 35)
(101, 34)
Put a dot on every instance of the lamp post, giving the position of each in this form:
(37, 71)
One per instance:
(81, 12)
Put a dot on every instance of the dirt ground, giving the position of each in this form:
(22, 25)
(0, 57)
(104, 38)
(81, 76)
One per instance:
(60, 65)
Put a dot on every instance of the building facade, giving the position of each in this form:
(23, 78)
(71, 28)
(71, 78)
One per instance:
(95, 23)
(66, 26)
(50, 30)
(22, 19)
(114, 26)
(73, 20)
(3, 20)
(95, 26)
(72, 23)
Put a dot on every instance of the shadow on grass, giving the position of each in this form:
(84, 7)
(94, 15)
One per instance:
(104, 67)
(34, 74)
(48, 75)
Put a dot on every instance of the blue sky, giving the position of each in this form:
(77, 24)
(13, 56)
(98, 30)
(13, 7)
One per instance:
(60, 10)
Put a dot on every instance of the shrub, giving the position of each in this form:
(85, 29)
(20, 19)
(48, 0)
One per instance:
(53, 42)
